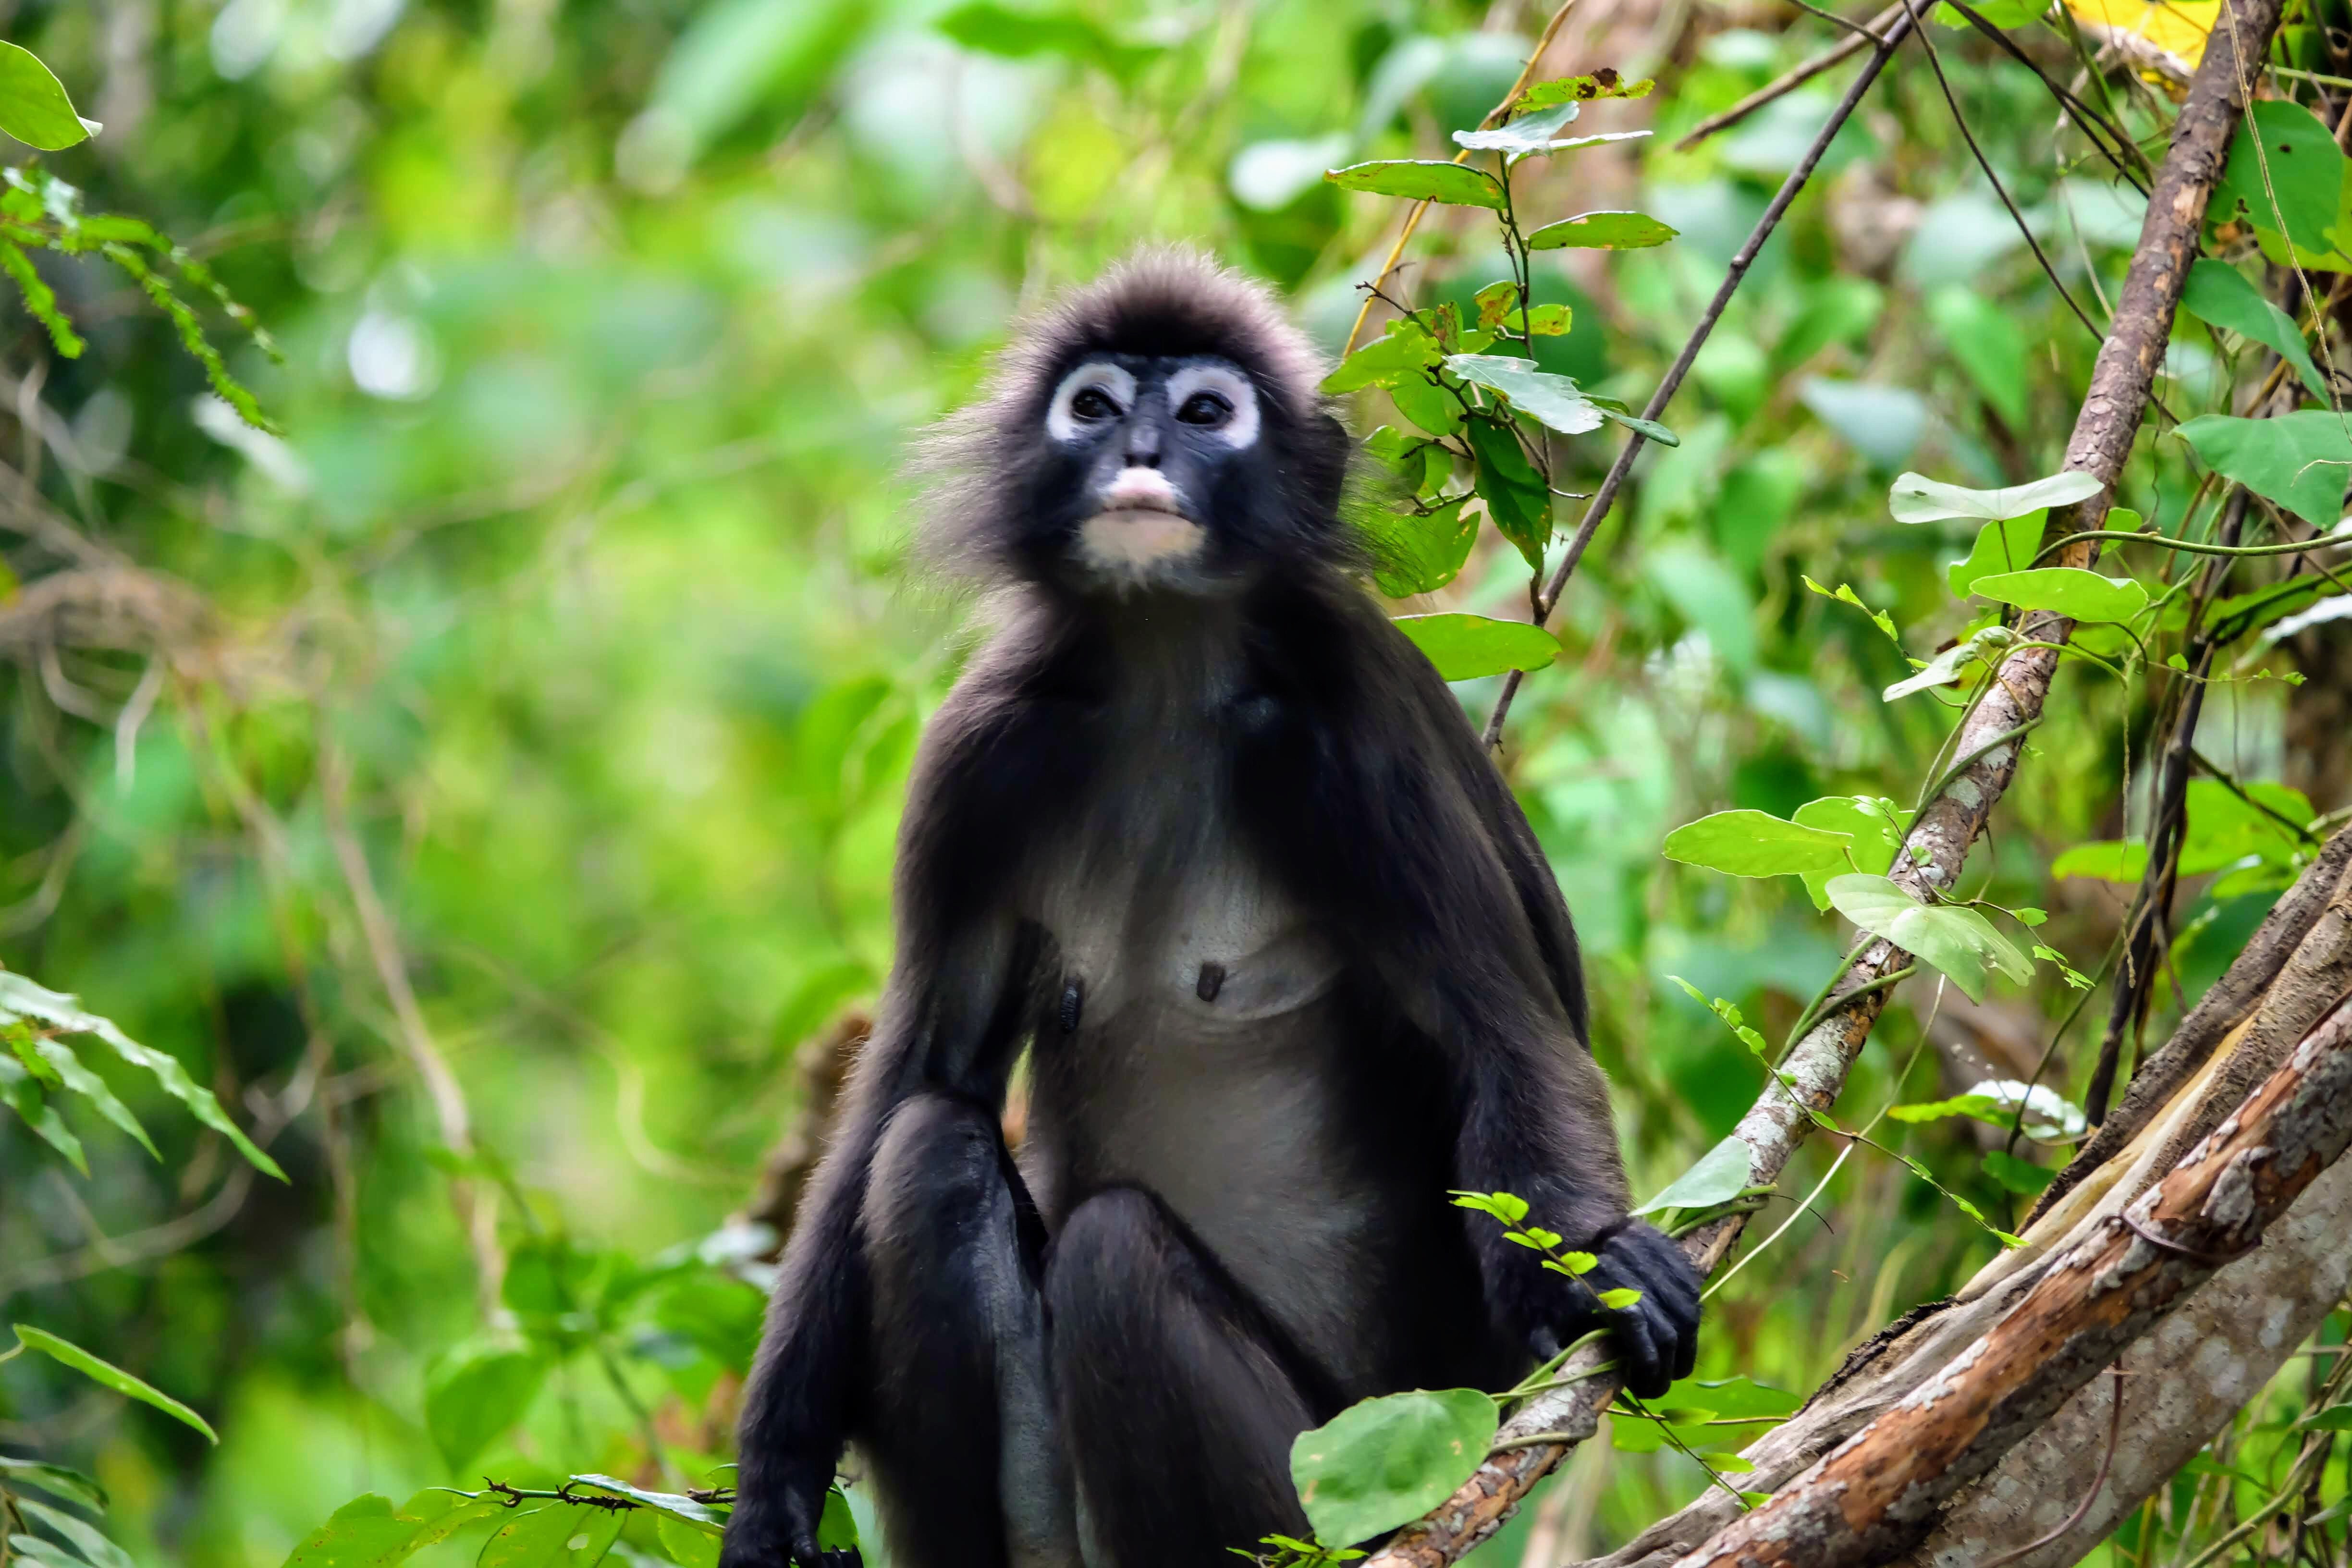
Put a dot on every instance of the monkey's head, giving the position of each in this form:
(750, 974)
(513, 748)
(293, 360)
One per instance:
(1159, 430)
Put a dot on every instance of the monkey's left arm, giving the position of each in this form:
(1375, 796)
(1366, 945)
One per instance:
(1411, 837)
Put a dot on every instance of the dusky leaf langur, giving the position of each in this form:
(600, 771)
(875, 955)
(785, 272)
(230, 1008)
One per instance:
(1207, 835)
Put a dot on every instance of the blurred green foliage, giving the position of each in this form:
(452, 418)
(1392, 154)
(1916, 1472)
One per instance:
(539, 702)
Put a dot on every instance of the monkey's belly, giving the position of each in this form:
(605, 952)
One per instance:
(1225, 1100)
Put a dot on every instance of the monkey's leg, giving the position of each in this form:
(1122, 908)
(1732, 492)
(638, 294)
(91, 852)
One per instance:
(961, 1431)
(1178, 1407)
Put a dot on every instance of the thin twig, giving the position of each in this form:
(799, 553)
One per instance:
(1606, 497)
(1863, 35)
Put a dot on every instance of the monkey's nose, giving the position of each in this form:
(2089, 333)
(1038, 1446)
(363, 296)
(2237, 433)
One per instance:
(1142, 446)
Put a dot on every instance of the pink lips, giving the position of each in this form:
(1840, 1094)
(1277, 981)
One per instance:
(1140, 489)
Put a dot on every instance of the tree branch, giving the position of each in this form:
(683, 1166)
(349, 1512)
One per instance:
(1878, 1493)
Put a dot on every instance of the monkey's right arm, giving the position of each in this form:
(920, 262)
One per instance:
(952, 1021)
(949, 1023)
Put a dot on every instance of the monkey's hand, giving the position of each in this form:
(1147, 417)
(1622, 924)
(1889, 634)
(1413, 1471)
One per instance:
(1657, 1336)
(776, 1525)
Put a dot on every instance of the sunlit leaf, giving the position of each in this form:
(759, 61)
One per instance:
(1602, 83)
(2067, 590)
(1466, 646)
(559, 1535)
(2007, 545)
(1554, 399)
(1748, 843)
(1456, 185)
(1602, 231)
(34, 107)
(1405, 350)
(1382, 1462)
(1872, 828)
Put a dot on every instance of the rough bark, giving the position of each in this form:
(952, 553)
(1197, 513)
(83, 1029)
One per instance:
(2230, 1002)
(1878, 1494)
(2187, 1380)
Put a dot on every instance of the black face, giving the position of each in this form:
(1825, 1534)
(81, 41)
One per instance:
(1153, 468)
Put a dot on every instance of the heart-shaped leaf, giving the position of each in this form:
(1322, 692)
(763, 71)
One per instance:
(1382, 1462)
(2302, 460)
(2221, 296)
(2007, 545)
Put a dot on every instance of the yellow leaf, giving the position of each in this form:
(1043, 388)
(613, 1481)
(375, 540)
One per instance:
(2176, 28)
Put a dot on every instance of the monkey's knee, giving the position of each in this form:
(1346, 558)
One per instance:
(935, 1169)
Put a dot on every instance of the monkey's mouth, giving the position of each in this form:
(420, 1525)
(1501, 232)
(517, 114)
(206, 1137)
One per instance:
(1138, 530)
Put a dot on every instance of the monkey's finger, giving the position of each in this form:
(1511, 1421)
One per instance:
(1637, 1346)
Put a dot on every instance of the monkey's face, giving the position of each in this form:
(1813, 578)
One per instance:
(1145, 481)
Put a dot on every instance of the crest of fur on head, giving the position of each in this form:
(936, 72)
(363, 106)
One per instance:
(1162, 300)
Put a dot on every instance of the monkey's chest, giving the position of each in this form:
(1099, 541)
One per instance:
(1195, 1045)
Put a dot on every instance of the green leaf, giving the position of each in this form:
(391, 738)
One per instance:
(1616, 413)
(2301, 460)
(21, 998)
(1874, 830)
(2048, 1114)
(1617, 1300)
(1466, 646)
(1748, 843)
(1496, 301)
(2336, 1418)
(1602, 231)
(60, 1059)
(2109, 861)
(1526, 134)
(2022, 1177)
(34, 107)
(1845, 594)
(1418, 554)
(1517, 500)
(1732, 1397)
(2225, 828)
(56, 1479)
(91, 1544)
(990, 28)
(1954, 939)
(2007, 545)
(1988, 344)
(562, 1535)
(2068, 590)
(40, 300)
(1915, 498)
(1383, 1462)
(1953, 662)
(1406, 353)
(1602, 83)
(2221, 296)
(45, 1554)
(108, 1374)
(2305, 169)
(474, 1392)
(1553, 400)
(1720, 1175)
(1455, 185)
(21, 1092)
(687, 1547)
(1508, 1207)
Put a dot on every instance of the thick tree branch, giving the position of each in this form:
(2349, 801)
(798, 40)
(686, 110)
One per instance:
(1878, 1494)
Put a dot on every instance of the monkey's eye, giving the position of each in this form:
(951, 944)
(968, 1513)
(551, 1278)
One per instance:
(1205, 408)
(1094, 402)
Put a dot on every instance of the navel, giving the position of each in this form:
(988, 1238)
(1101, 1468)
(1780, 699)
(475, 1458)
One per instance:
(1212, 981)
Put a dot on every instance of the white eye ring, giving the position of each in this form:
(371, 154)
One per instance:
(1239, 393)
(1099, 375)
